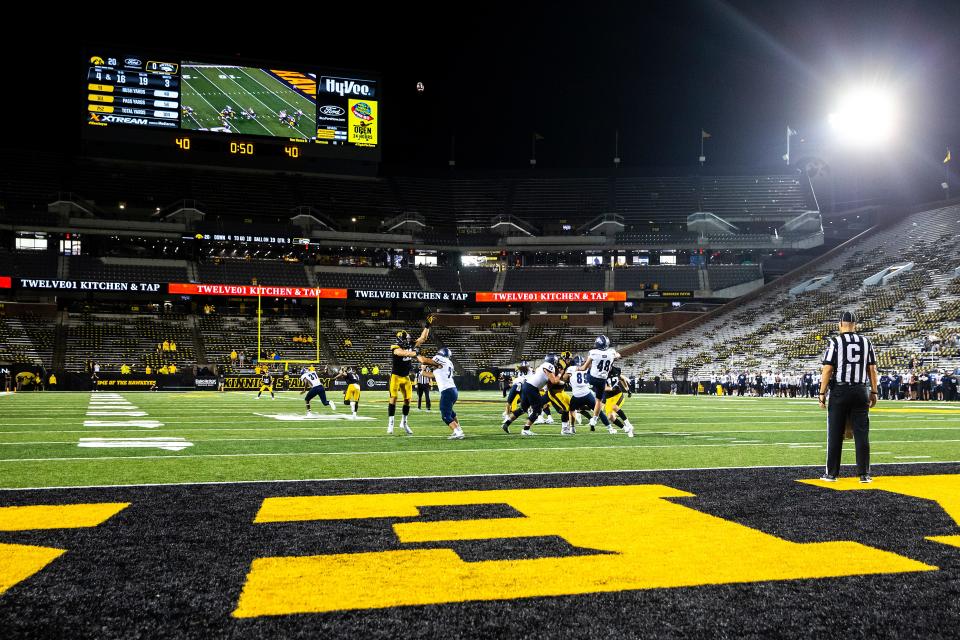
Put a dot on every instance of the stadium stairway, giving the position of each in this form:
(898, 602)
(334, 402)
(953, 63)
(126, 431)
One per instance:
(199, 348)
(422, 280)
(60, 341)
(501, 278)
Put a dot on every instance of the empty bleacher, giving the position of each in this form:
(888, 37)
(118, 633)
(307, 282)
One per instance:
(117, 339)
(723, 276)
(87, 268)
(389, 279)
(668, 277)
(554, 279)
(261, 272)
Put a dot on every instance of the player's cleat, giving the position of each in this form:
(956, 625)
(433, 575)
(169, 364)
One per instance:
(612, 430)
(456, 435)
(527, 432)
(549, 420)
(309, 413)
(578, 418)
(406, 428)
(540, 419)
(866, 479)
(505, 426)
(566, 431)
(353, 415)
(629, 431)
(333, 406)
(390, 430)
(828, 478)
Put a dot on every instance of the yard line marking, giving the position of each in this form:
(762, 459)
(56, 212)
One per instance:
(401, 452)
(515, 474)
(167, 444)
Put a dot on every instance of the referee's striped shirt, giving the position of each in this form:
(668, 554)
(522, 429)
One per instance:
(422, 379)
(850, 354)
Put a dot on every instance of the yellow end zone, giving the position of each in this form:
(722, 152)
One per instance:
(647, 542)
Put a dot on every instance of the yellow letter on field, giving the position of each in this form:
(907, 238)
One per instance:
(642, 540)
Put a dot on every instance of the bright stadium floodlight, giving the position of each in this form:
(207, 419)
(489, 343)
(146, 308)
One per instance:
(865, 117)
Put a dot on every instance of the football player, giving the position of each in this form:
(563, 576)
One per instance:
(351, 393)
(582, 398)
(599, 361)
(558, 397)
(312, 382)
(442, 372)
(404, 351)
(614, 401)
(266, 384)
(513, 397)
(530, 394)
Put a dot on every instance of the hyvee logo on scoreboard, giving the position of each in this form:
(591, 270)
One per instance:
(347, 87)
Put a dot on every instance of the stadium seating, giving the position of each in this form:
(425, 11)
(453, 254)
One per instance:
(223, 334)
(26, 339)
(777, 331)
(723, 276)
(28, 264)
(555, 279)
(87, 268)
(117, 339)
(668, 277)
(390, 279)
(262, 272)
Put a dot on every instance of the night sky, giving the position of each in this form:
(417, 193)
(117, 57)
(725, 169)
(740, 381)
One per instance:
(495, 73)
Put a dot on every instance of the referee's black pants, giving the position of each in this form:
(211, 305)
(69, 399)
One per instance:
(423, 390)
(853, 401)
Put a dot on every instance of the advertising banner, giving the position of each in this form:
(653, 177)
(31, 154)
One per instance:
(551, 296)
(89, 285)
(247, 291)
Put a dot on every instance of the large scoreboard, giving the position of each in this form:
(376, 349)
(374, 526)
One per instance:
(195, 105)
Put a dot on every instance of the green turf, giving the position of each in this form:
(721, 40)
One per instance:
(210, 89)
(39, 434)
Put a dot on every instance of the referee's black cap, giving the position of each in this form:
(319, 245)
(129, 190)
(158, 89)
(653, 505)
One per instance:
(848, 317)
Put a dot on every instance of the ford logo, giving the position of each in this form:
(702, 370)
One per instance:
(132, 62)
(332, 110)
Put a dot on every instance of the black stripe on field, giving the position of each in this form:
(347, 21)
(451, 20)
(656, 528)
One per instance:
(173, 563)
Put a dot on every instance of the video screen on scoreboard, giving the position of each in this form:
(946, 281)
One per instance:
(318, 107)
(248, 101)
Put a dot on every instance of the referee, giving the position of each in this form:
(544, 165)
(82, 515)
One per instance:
(850, 372)
(423, 389)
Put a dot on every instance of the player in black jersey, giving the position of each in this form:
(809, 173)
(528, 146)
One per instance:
(351, 393)
(614, 401)
(556, 392)
(404, 351)
(266, 384)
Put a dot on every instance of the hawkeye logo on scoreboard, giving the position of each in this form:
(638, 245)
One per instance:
(551, 296)
(362, 122)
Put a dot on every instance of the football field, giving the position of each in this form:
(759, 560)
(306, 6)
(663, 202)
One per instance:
(86, 439)
(206, 515)
(208, 89)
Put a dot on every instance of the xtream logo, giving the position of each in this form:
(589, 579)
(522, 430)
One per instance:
(345, 87)
(125, 120)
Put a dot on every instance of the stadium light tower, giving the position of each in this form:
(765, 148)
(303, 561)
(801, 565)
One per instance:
(865, 117)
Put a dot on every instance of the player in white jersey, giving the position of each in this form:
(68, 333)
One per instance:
(530, 397)
(599, 361)
(442, 372)
(581, 392)
(312, 381)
